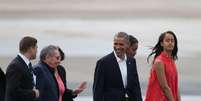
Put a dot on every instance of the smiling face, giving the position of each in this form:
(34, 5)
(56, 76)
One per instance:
(168, 42)
(120, 46)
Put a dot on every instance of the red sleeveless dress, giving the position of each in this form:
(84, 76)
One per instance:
(154, 92)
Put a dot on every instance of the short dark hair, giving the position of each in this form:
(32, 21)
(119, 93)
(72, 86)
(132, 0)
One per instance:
(132, 40)
(26, 43)
(62, 54)
(123, 35)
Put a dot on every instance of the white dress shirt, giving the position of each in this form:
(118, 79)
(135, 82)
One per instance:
(123, 68)
(27, 61)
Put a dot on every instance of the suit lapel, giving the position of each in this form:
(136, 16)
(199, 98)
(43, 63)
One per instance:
(116, 65)
(128, 63)
(50, 79)
(21, 61)
(24, 66)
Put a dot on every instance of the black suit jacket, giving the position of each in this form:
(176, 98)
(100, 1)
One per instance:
(47, 84)
(2, 85)
(19, 81)
(108, 84)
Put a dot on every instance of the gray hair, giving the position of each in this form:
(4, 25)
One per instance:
(48, 50)
(122, 35)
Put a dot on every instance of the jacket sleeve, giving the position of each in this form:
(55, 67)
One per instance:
(98, 84)
(39, 82)
(68, 96)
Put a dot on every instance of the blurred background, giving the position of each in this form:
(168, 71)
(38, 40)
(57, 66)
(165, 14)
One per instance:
(84, 29)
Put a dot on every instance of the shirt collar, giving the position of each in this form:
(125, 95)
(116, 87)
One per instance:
(26, 60)
(119, 59)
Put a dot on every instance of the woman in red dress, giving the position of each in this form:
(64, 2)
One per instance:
(163, 81)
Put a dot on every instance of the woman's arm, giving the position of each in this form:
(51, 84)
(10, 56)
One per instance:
(160, 71)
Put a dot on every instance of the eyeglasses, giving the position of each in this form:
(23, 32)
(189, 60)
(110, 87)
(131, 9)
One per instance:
(58, 57)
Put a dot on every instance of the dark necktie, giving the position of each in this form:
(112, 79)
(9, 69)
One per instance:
(31, 71)
(30, 68)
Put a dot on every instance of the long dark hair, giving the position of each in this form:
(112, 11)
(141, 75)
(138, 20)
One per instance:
(157, 49)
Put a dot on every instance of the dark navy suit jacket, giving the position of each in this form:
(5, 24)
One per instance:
(108, 84)
(47, 85)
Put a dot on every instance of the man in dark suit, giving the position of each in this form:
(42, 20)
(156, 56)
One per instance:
(115, 77)
(20, 79)
(2, 85)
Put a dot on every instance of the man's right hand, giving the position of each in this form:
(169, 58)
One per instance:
(37, 93)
